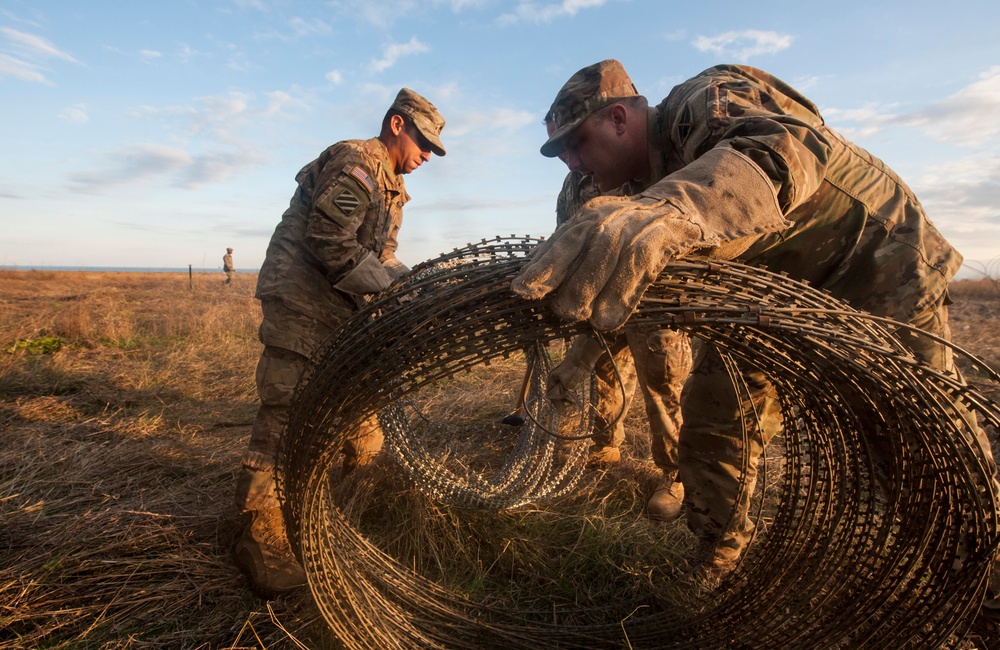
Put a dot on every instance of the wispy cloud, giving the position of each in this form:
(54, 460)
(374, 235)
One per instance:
(394, 51)
(533, 12)
(76, 114)
(158, 164)
(380, 13)
(308, 27)
(383, 13)
(741, 45)
(959, 119)
(20, 69)
(33, 45)
(956, 119)
(7, 192)
(972, 182)
(460, 5)
(23, 55)
(280, 102)
(251, 4)
(465, 203)
(861, 122)
(132, 165)
(223, 118)
(148, 56)
(502, 120)
(962, 198)
(335, 77)
(210, 141)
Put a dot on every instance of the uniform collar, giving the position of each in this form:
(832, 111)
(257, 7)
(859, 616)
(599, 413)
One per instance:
(391, 181)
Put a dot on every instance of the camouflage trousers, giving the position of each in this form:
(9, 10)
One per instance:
(289, 339)
(712, 454)
(658, 362)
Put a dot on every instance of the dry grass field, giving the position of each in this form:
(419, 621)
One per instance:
(125, 403)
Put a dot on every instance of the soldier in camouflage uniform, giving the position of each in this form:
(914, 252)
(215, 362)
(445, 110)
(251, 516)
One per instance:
(733, 163)
(227, 266)
(658, 361)
(335, 244)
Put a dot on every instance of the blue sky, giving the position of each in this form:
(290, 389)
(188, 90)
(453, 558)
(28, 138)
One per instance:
(155, 133)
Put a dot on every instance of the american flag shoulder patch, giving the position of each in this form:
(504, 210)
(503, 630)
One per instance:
(362, 177)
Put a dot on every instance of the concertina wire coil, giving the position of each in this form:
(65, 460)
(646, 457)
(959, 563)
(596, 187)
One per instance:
(844, 563)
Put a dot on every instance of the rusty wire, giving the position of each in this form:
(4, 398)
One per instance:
(886, 520)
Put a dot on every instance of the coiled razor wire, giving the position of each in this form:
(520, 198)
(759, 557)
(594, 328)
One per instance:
(860, 552)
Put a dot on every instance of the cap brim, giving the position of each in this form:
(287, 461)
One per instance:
(555, 145)
(431, 138)
(436, 146)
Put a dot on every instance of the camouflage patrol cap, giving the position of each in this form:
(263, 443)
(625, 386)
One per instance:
(425, 117)
(586, 91)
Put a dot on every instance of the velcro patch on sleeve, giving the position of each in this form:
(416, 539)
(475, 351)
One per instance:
(347, 202)
(344, 201)
(363, 177)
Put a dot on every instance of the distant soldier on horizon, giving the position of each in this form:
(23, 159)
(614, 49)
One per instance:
(227, 266)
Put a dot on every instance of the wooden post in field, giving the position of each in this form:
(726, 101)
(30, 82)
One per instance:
(190, 279)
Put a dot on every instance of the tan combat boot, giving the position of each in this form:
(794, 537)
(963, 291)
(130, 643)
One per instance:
(665, 504)
(716, 560)
(265, 556)
(603, 456)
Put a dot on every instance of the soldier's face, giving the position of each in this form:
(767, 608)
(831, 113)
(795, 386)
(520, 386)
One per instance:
(415, 150)
(594, 149)
(407, 148)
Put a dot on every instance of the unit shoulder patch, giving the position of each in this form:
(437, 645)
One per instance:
(345, 200)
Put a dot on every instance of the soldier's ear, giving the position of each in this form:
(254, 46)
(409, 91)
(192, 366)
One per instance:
(396, 124)
(619, 116)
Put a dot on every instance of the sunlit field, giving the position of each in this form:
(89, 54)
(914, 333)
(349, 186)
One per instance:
(126, 401)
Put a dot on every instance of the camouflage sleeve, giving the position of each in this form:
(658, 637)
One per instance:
(392, 265)
(341, 198)
(392, 237)
(577, 189)
(755, 114)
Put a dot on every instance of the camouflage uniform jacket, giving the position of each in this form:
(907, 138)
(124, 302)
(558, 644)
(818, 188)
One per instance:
(227, 263)
(348, 207)
(576, 190)
(855, 228)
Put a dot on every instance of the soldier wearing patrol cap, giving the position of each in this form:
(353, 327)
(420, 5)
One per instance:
(227, 266)
(657, 362)
(335, 244)
(736, 164)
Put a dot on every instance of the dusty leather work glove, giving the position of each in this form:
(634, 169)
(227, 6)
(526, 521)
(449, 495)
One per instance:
(577, 365)
(601, 261)
(368, 276)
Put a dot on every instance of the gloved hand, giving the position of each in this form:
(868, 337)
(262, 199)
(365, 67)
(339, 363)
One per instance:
(576, 366)
(395, 268)
(368, 276)
(602, 260)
